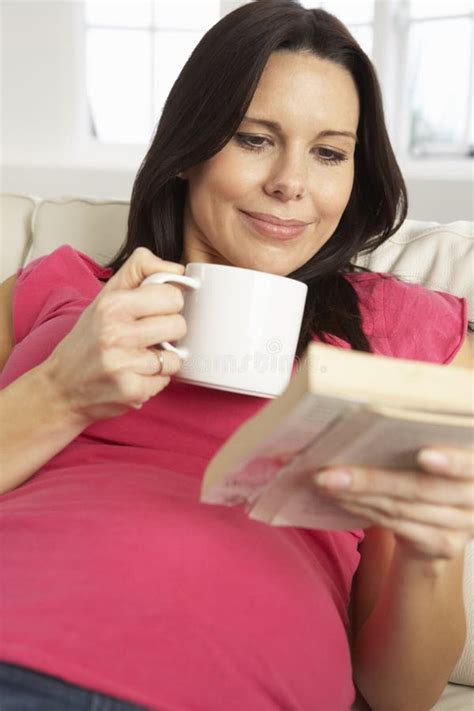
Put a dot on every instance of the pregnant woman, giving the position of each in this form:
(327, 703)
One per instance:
(119, 590)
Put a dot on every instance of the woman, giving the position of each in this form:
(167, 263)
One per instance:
(117, 582)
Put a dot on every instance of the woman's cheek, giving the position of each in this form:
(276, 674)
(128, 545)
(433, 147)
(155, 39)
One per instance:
(336, 194)
(230, 180)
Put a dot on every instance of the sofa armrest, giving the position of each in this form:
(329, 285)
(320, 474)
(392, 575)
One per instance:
(16, 218)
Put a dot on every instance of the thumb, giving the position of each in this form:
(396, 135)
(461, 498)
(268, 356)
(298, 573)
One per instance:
(141, 263)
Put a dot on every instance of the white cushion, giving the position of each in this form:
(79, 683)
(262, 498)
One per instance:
(464, 670)
(453, 698)
(16, 213)
(95, 227)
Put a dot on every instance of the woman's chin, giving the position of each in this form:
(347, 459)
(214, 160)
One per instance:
(265, 264)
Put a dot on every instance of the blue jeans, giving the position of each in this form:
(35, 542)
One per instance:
(23, 689)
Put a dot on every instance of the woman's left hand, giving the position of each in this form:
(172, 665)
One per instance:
(430, 510)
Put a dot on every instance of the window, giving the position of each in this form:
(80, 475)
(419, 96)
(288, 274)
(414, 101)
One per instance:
(439, 78)
(134, 52)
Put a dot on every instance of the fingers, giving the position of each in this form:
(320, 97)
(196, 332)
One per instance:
(432, 513)
(166, 362)
(408, 485)
(145, 332)
(150, 300)
(144, 361)
(425, 541)
(138, 266)
(105, 363)
(390, 510)
(428, 540)
(448, 461)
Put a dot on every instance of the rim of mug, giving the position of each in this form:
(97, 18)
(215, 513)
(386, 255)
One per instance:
(245, 269)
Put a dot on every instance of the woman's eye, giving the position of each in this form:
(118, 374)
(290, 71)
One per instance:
(327, 155)
(249, 141)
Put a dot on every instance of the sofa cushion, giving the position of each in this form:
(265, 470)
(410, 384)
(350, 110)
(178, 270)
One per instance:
(464, 671)
(16, 213)
(453, 698)
(96, 227)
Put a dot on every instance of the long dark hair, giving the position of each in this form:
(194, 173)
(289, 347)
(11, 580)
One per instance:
(204, 110)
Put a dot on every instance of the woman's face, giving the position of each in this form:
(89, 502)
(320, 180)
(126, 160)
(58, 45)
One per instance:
(299, 168)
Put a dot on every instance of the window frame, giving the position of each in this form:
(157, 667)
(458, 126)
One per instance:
(392, 24)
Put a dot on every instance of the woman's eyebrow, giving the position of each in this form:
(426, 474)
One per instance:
(275, 126)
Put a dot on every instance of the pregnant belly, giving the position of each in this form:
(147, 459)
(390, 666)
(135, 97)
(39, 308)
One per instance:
(107, 560)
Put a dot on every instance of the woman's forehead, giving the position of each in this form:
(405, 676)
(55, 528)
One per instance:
(299, 86)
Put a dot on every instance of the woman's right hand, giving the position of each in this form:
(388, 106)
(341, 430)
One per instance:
(106, 364)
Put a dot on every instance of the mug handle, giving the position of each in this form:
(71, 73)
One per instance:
(164, 278)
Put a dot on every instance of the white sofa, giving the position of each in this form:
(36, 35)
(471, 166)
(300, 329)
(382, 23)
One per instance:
(438, 256)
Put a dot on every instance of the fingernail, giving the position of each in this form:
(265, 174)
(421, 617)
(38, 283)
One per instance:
(339, 479)
(433, 459)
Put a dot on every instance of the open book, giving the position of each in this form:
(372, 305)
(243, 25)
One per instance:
(341, 407)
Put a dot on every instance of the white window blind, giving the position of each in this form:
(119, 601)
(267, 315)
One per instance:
(134, 53)
(439, 78)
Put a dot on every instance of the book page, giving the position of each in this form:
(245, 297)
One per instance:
(246, 481)
(365, 438)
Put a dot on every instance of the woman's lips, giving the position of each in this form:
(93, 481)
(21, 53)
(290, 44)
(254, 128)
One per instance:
(283, 232)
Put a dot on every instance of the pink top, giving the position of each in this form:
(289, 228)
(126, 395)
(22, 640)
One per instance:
(117, 579)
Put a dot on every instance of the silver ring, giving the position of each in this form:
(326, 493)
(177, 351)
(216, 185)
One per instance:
(161, 361)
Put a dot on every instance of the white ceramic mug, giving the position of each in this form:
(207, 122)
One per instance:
(242, 327)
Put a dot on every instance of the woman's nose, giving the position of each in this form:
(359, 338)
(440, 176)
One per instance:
(287, 179)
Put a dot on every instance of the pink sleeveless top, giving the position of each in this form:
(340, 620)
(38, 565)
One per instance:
(116, 578)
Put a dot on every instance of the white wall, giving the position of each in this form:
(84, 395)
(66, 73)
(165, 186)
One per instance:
(41, 68)
(46, 150)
